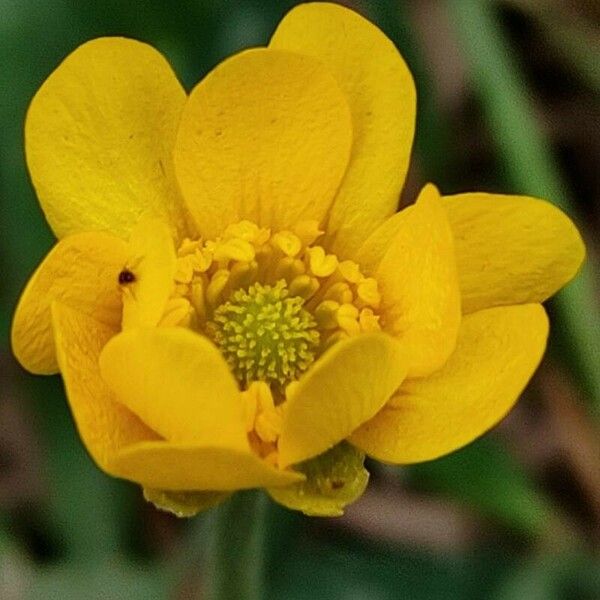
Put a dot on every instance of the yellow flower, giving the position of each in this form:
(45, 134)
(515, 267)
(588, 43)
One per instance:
(232, 295)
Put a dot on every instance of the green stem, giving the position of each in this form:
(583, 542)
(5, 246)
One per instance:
(236, 548)
(531, 168)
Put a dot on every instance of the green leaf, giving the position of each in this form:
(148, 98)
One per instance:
(333, 480)
(486, 478)
(552, 576)
(531, 168)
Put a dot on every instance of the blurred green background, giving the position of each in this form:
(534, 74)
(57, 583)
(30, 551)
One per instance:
(508, 101)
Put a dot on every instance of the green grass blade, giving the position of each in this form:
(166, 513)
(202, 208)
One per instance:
(530, 168)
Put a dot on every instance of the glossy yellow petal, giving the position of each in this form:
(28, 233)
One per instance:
(265, 136)
(418, 281)
(342, 390)
(511, 249)
(185, 467)
(105, 425)
(497, 352)
(374, 248)
(178, 383)
(81, 271)
(382, 98)
(99, 135)
(151, 261)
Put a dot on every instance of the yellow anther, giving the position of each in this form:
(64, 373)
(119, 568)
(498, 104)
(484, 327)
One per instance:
(348, 311)
(214, 290)
(234, 249)
(340, 292)
(321, 264)
(250, 404)
(304, 286)
(197, 297)
(268, 418)
(350, 271)
(248, 231)
(188, 247)
(307, 231)
(272, 458)
(368, 320)
(347, 318)
(325, 314)
(203, 260)
(178, 311)
(368, 292)
(289, 268)
(268, 425)
(287, 242)
(181, 289)
(185, 269)
(290, 390)
(264, 397)
(262, 237)
(256, 399)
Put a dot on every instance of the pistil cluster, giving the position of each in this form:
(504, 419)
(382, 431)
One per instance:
(264, 334)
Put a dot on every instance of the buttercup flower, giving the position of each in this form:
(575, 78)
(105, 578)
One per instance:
(233, 301)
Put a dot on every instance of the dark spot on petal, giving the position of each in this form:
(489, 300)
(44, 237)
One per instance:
(336, 484)
(125, 277)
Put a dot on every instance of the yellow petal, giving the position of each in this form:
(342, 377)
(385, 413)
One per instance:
(152, 262)
(418, 281)
(374, 248)
(99, 135)
(81, 271)
(184, 467)
(178, 383)
(511, 249)
(382, 98)
(342, 390)
(105, 425)
(265, 136)
(497, 352)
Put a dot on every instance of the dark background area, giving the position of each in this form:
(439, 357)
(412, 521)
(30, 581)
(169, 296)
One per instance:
(508, 101)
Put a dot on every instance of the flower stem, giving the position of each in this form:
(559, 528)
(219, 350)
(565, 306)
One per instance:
(236, 548)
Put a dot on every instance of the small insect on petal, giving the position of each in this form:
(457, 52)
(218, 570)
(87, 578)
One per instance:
(125, 277)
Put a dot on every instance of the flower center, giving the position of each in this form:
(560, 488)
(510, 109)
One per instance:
(272, 302)
(265, 334)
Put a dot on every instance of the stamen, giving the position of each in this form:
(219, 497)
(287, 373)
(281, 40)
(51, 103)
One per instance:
(321, 264)
(287, 242)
